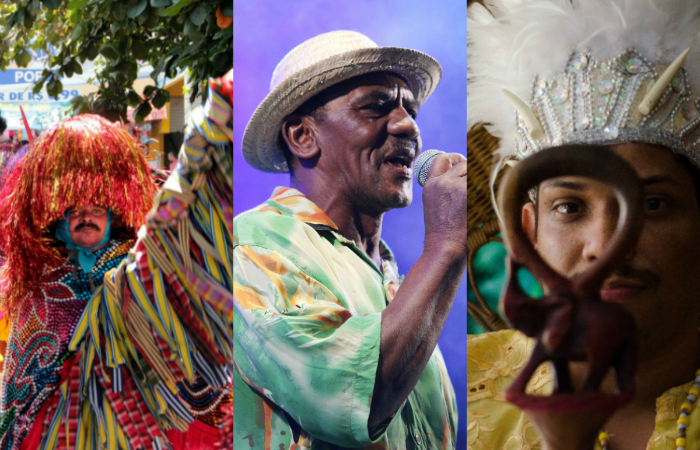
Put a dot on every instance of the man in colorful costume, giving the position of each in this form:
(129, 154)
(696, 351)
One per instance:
(320, 310)
(625, 75)
(126, 343)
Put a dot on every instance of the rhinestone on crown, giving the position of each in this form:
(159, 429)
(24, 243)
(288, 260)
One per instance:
(595, 102)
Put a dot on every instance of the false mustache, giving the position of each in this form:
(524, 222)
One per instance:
(628, 272)
(645, 276)
(86, 225)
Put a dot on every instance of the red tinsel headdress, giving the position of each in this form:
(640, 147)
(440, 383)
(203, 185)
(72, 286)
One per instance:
(80, 161)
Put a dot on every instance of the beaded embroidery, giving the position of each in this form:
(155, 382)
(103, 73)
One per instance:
(205, 403)
(38, 350)
(682, 422)
(595, 102)
(38, 346)
(162, 317)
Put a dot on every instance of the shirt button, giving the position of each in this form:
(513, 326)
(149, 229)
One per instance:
(418, 439)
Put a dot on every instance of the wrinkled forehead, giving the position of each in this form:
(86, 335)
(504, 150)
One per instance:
(645, 159)
(387, 79)
(571, 183)
(654, 165)
(650, 159)
(388, 82)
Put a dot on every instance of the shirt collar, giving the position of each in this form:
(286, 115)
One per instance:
(292, 203)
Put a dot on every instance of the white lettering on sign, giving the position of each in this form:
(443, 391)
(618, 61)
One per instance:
(28, 76)
(29, 96)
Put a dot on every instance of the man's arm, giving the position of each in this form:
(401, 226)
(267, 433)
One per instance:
(413, 321)
(297, 343)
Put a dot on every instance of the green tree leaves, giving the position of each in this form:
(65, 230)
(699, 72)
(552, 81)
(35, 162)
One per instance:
(170, 35)
(142, 111)
(177, 7)
(54, 87)
(90, 51)
(227, 9)
(136, 8)
(51, 4)
(161, 3)
(119, 12)
(75, 4)
(109, 52)
(160, 98)
(200, 14)
(23, 58)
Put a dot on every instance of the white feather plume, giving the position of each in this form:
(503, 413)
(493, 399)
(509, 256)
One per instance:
(511, 41)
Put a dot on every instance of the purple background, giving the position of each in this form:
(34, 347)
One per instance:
(264, 31)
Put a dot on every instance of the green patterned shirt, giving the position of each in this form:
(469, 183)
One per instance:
(307, 323)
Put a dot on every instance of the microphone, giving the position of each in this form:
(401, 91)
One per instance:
(422, 165)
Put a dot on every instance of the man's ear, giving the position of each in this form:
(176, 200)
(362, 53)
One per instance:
(529, 221)
(299, 132)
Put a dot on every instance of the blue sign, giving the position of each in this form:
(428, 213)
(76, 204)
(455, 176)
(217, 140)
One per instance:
(29, 74)
(39, 115)
(29, 96)
(17, 76)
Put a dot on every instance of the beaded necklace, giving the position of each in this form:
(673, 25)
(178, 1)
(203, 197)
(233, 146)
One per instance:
(683, 419)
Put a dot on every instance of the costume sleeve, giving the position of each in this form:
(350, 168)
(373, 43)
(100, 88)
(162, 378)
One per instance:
(493, 361)
(299, 346)
(164, 317)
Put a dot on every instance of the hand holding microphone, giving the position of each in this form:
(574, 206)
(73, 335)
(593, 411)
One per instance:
(422, 164)
(444, 178)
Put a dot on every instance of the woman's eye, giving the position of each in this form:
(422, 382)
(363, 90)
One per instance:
(568, 208)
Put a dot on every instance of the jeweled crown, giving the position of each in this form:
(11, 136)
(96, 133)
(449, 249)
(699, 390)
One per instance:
(598, 102)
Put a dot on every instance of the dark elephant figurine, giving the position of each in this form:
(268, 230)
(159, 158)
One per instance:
(572, 323)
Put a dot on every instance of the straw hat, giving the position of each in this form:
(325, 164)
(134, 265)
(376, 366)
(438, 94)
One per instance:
(317, 64)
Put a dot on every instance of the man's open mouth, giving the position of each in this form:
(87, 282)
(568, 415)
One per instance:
(399, 161)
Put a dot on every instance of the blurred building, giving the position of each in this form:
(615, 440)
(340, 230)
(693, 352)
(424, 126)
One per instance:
(160, 134)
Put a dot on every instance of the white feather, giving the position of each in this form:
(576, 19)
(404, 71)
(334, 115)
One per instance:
(519, 39)
(623, 22)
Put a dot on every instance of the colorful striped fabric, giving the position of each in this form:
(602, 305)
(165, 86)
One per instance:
(154, 342)
(39, 360)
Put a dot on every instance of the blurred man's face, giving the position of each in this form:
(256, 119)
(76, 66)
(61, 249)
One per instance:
(659, 282)
(87, 225)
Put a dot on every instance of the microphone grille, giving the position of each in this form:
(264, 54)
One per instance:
(422, 165)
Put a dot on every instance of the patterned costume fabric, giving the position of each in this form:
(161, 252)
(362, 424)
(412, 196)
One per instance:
(307, 329)
(156, 340)
(37, 351)
(493, 362)
(151, 349)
